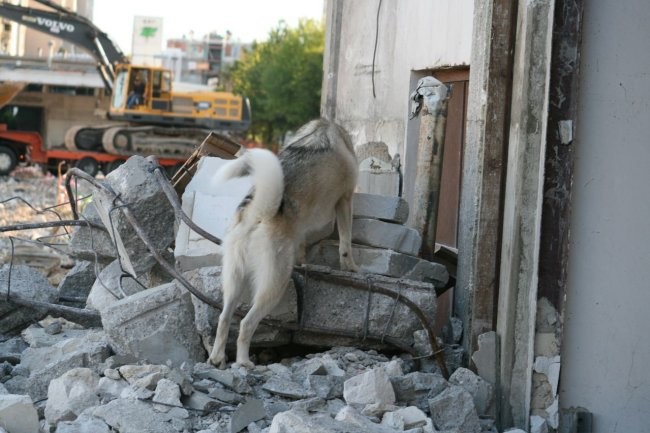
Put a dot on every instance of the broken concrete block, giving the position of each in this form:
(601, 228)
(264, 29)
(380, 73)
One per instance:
(454, 408)
(378, 177)
(113, 284)
(133, 416)
(332, 306)
(298, 421)
(110, 389)
(208, 281)
(453, 330)
(412, 417)
(155, 325)
(26, 283)
(249, 411)
(202, 402)
(370, 260)
(137, 186)
(168, 393)
(485, 358)
(285, 387)
(90, 243)
(394, 420)
(381, 207)
(430, 272)
(83, 424)
(481, 390)
(380, 234)
(325, 386)
(46, 363)
(373, 386)
(17, 414)
(71, 393)
(416, 388)
(232, 379)
(200, 199)
(79, 280)
(351, 416)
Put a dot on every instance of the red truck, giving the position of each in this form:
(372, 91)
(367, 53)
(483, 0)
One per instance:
(27, 147)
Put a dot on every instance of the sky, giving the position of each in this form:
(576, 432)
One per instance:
(247, 20)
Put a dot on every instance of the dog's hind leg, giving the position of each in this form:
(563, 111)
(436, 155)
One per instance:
(344, 224)
(270, 285)
(232, 286)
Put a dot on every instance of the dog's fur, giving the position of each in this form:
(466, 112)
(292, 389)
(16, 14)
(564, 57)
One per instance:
(295, 194)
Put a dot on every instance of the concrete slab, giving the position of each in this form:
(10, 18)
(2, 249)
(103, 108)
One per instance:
(381, 234)
(212, 207)
(382, 207)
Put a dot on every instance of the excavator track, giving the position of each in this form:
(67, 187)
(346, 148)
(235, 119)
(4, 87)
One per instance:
(152, 140)
(86, 137)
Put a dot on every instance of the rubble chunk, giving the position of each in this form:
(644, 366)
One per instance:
(454, 408)
(43, 364)
(374, 386)
(297, 421)
(155, 325)
(90, 243)
(133, 416)
(481, 390)
(332, 306)
(285, 387)
(17, 414)
(381, 207)
(83, 424)
(249, 411)
(168, 393)
(351, 416)
(26, 283)
(71, 393)
(380, 234)
(136, 186)
(78, 281)
(485, 358)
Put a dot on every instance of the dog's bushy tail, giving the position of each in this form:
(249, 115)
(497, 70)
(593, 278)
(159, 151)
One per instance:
(268, 180)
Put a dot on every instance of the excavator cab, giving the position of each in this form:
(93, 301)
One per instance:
(143, 94)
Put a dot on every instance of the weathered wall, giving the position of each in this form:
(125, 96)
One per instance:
(63, 111)
(413, 35)
(605, 352)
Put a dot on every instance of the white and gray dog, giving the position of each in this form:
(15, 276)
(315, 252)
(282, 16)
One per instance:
(295, 195)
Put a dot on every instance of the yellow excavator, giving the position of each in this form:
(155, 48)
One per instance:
(158, 121)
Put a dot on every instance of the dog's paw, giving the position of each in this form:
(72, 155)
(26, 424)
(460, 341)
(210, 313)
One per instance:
(349, 266)
(248, 365)
(218, 360)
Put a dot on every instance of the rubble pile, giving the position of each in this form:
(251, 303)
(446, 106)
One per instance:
(59, 377)
(144, 369)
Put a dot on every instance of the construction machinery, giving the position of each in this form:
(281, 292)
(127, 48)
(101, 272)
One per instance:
(161, 122)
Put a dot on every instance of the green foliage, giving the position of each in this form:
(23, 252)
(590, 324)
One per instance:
(282, 77)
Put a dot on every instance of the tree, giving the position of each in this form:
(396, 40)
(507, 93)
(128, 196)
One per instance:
(282, 77)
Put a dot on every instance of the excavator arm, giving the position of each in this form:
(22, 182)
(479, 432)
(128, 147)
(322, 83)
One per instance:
(70, 27)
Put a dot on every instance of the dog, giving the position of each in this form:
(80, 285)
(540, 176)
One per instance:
(307, 186)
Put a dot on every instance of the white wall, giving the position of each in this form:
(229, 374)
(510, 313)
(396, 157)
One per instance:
(606, 350)
(413, 35)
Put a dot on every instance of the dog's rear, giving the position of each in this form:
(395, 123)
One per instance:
(295, 194)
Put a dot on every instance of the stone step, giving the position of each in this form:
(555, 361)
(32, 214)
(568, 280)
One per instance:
(386, 208)
(381, 234)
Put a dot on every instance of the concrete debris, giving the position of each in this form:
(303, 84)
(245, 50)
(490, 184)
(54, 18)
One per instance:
(17, 414)
(485, 358)
(79, 280)
(70, 394)
(90, 243)
(155, 325)
(378, 177)
(380, 207)
(146, 200)
(334, 307)
(113, 284)
(371, 387)
(373, 149)
(143, 370)
(482, 391)
(25, 283)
